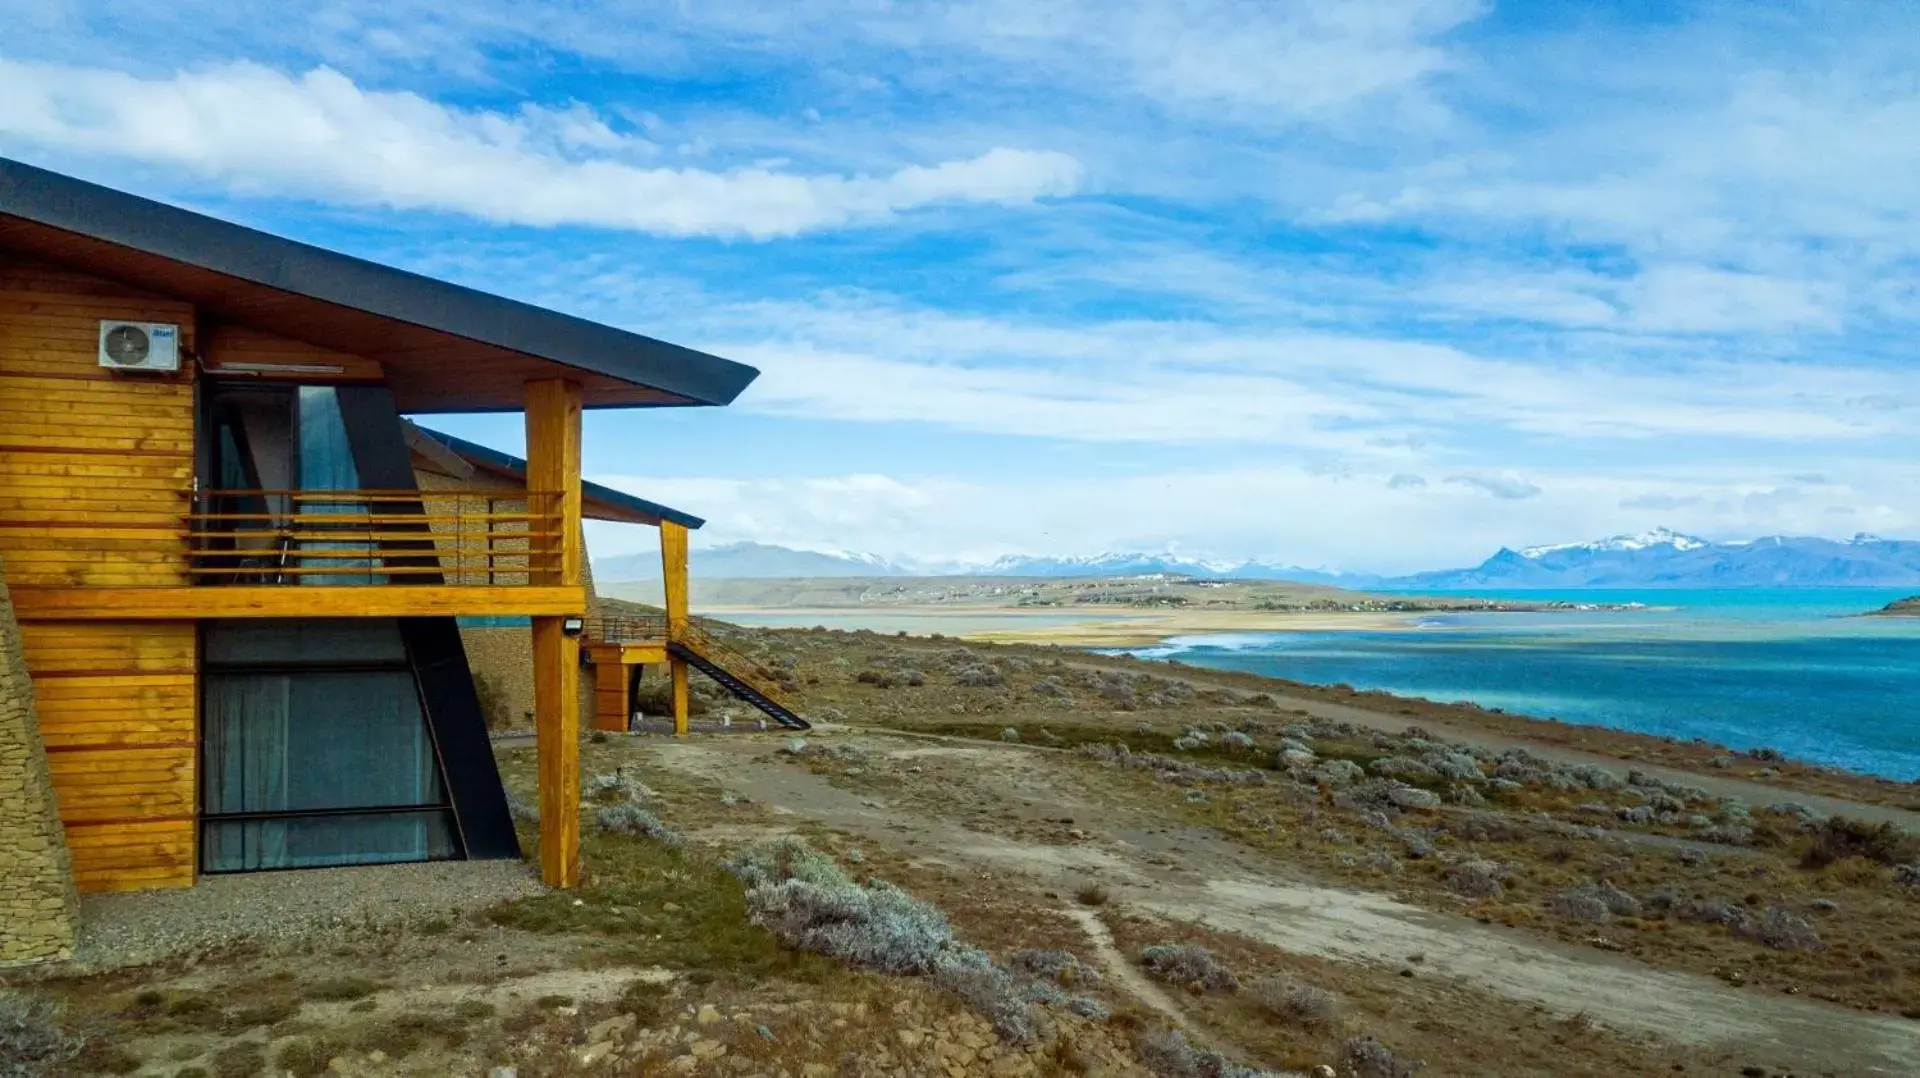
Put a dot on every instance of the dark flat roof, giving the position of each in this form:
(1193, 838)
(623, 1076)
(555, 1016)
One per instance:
(446, 347)
(651, 512)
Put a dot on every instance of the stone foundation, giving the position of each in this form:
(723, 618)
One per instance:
(39, 909)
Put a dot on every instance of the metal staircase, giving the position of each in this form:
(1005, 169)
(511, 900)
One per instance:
(736, 673)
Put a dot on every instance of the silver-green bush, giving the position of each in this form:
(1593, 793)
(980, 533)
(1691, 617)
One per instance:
(33, 1042)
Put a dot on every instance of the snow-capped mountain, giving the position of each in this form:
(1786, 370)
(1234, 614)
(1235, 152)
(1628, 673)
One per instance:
(1658, 558)
(1658, 537)
(1664, 558)
(742, 561)
(1106, 565)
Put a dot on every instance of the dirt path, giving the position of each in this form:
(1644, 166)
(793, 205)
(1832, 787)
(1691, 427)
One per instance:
(1199, 877)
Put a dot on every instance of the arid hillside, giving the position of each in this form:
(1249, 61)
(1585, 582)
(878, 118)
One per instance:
(1013, 860)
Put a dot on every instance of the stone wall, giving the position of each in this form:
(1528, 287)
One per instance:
(39, 910)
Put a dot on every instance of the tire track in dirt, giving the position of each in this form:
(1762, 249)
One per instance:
(1219, 884)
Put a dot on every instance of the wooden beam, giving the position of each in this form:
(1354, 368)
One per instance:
(678, 668)
(294, 601)
(553, 468)
(553, 473)
(612, 705)
(673, 575)
(556, 710)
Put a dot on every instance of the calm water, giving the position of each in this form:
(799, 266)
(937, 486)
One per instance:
(1786, 668)
(918, 623)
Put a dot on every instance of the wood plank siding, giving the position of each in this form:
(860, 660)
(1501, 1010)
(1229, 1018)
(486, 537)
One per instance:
(95, 469)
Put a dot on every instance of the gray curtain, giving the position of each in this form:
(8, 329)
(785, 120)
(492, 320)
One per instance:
(248, 719)
(314, 741)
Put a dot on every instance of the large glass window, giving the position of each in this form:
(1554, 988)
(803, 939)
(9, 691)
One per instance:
(282, 461)
(316, 750)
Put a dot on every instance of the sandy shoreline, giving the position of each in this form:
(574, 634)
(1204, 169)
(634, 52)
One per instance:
(1104, 629)
(1148, 630)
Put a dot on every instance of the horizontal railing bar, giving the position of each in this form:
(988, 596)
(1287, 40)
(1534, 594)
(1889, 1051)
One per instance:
(345, 535)
(383, 518)
(382, 495)
(340, 570)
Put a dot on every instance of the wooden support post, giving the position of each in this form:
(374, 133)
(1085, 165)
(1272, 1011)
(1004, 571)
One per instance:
(678, 668)
(673, 575)
(556, 711)
(553, 471)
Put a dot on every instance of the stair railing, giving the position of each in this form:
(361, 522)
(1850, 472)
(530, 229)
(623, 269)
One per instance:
(754, 675)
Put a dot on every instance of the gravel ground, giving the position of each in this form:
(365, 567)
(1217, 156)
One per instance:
(283, 907)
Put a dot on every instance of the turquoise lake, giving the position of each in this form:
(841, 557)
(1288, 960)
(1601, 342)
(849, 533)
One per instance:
(1791, 669)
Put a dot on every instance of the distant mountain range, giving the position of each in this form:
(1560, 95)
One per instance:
(751, 561)
(1659, 558)
(1664, 558)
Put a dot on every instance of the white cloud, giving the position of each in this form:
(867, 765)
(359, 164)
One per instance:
(320, 135)
(1508, 486)
(1156, 381)
(1265, 61)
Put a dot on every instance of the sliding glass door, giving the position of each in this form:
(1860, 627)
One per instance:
(316, 750)
(282, 463)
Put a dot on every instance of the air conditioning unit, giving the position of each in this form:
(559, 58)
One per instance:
(139, 346)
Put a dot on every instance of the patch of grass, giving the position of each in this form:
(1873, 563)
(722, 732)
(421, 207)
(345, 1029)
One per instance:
(341, 989)
(103, 1057)
(408, 1033)
(631, 881)
(548, 1003)
(241, 1059)
(306, 1057)
(261, 1014)
(474, 1009)
(190, 1006)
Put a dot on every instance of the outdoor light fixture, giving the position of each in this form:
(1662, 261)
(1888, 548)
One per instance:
(573, 626)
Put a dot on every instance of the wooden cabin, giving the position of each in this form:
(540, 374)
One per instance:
(230, 614)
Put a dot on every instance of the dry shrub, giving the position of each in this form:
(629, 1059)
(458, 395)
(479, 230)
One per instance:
(1474, 879)
(1780, 929)
(631, 819)
(1060, 967)
(33, 1042)
(1295, 1003)
(1188, 964)
(1168, 1054)
(1091, 894)
(806, 901)
(1368, 1058)
(1596, 903)
(1839, 837)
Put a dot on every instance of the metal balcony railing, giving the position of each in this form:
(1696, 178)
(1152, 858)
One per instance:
(372, 537)
(627, 629)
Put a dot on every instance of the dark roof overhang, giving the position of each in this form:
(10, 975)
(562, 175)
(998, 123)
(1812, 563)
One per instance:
(445, 347)
(601, 502)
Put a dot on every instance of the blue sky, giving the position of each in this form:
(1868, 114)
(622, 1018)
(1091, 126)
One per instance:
(1379, 286)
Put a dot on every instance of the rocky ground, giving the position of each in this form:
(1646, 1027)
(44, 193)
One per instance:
(1007, 860)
